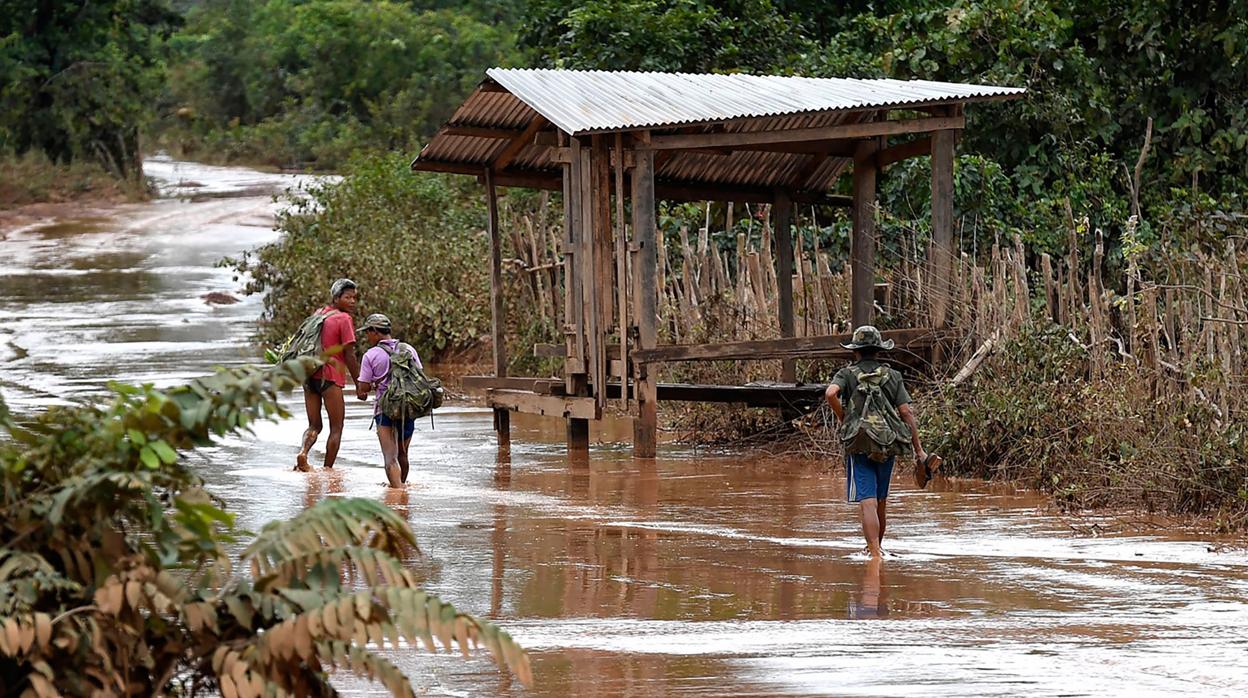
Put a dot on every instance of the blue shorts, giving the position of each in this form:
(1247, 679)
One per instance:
(867, 479)
(409, 425)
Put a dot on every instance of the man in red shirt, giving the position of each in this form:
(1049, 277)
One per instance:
(326, 385)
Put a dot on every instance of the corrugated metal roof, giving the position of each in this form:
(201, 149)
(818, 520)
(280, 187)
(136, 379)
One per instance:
(585, 101)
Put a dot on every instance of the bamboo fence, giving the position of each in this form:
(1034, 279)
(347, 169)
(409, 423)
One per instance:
(1182, 318)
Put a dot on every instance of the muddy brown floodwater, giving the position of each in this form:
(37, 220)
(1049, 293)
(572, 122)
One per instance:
(699, 573)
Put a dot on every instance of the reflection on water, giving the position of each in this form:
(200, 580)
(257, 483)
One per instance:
(698, 573)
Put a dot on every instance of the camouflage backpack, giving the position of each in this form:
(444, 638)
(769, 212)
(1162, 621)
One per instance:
(877, 430)
(306, 341)
(409, 393)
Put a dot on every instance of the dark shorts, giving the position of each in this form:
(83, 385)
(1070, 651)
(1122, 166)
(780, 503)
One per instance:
(867, 479)
(409, 425)
(318, 385)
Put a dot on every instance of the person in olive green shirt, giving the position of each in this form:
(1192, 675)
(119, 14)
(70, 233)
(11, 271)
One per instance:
(867, 470)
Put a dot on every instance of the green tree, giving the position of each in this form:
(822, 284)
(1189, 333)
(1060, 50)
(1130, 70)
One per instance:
(663, 35)
(114, 575)
(315, 81)
(78, 79)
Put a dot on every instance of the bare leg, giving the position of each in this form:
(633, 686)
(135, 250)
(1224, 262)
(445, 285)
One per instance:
(387, 437)
(403, 457)
(336, 410)
(882, 516)
(871, 526)
(312, 404)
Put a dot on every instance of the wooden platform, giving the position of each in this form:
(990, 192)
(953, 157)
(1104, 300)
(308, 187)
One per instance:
(548, 396)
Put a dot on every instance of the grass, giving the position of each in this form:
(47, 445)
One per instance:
(32, 178)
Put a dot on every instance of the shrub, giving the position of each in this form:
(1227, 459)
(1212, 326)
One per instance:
(1035, 414)
(415, 243)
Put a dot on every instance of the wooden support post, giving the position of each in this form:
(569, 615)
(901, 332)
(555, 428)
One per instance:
(498, 319)
(862, 256)
(576, 381)
(783, 218)
(645, 429)
(942, 227)
(600, 196)
(621, 269)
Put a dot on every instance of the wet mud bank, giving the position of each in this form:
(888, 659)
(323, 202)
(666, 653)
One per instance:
(699, 573)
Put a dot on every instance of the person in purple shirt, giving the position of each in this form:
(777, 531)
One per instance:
(375, 372)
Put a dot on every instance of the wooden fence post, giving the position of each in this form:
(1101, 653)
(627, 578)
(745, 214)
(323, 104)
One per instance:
(783, 217)
(942, 227)
(645, 428)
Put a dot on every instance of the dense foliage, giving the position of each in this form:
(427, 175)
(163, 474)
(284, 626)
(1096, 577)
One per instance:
(416, 245)
(293, 83)
(1096, 72)
(115, 577)
(78, 79)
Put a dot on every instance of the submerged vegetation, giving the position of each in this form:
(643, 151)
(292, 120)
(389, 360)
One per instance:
(117, 576)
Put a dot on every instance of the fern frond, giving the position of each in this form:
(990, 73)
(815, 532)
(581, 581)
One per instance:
(332, 523)
(374, 567)
(238, 677)
(361, 662)
(388, 614)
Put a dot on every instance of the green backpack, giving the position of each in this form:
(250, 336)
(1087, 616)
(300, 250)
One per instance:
(410, 393)
(306, 341)
(877, 430)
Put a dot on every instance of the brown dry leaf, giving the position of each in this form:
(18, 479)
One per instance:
(134, 594)
(43, 630)
(303, 638)
(218, 659)
(392, 633)
(461, 635)
(281, 641)
(114, 593)
(194, 617)
(238, 672)
(375, 635)
(314, 622)
(346, 614)
(329, 619)
(12, 636)
(43, 687)
(28, 635)
(228, 690)
(363, 604)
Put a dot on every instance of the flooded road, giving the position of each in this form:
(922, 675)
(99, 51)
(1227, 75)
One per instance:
(697, 574)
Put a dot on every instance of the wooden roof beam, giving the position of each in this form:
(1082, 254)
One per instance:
(904, 151)
(482, 132)
(840, 132)
(518, 143)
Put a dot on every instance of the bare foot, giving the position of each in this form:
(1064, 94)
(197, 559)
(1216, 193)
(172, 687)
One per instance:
(392, 474)
(301, 463)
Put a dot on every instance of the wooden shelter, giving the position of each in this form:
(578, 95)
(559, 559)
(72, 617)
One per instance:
(607, 138)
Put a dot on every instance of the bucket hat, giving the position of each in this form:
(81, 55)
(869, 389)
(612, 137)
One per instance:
(376, 321)
(868, 336)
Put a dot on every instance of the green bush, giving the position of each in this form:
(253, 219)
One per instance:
(415, 243)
